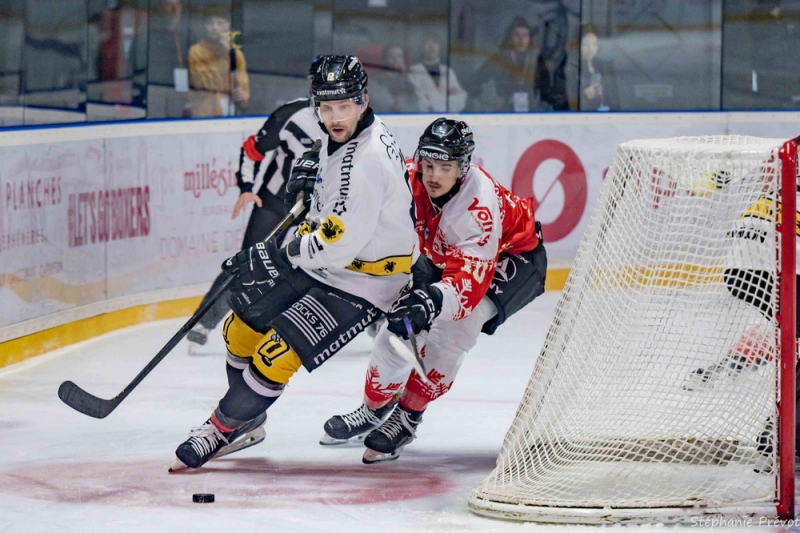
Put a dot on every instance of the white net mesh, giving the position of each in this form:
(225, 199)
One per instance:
(656, 385)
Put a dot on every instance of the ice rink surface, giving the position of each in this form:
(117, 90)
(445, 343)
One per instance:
(62, 471)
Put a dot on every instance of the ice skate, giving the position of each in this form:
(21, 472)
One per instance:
(750, 351)
(709, 377)
(386, 442)
(713, 376)
(353, 427)
(207, 442)
(197, 337)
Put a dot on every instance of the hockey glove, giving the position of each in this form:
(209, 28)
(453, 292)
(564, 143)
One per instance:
(261, 272)
(303, 178)
(261, 264)
(421, 305)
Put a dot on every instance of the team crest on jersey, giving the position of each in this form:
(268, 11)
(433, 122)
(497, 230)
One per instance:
(332, 229)
(483, 216)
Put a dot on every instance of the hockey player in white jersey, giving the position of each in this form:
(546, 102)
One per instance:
(290, 130)
(748, 277)
(299, 305)
(483, 260)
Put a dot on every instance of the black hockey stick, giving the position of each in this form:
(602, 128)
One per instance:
(416, 359)
(91, 405)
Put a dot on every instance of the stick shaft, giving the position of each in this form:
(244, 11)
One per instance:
(91, 405)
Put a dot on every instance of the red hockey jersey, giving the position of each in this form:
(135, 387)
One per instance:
(466, 237)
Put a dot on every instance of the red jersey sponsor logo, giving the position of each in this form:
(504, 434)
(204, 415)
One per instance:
(483, 216)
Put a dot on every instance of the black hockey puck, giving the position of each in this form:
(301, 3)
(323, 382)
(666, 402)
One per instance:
(203, 498)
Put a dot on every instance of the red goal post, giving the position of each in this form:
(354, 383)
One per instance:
(788, 335)
(665, 389)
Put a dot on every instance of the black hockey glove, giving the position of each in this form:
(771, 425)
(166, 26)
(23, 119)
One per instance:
(303, 178)
(261, 264)
(262, 277)
(420, 305)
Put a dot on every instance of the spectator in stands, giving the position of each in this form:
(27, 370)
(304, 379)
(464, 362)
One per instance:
(159, 58)
(390, 89)
(506, 81)
(520, 76)
(598, 81)
(217, 71)
(435, 84)
(551, 64)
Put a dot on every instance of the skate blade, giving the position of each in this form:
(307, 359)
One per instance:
(177, 466)
(327, 440)
(249, 439)
(192, 348)
(372, 457)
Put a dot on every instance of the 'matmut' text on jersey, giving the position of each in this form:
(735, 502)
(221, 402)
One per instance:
(359, 235)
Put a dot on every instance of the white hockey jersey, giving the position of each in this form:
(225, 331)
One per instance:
(751, 249)
(364, 242)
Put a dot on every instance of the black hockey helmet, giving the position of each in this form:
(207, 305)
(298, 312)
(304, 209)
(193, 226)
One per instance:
(312, 70)
(338, 78)
(447, 140)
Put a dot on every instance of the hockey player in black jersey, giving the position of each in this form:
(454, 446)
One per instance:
(298, 305)
(290, 130)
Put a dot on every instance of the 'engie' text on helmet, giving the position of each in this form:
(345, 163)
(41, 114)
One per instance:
(434, 155)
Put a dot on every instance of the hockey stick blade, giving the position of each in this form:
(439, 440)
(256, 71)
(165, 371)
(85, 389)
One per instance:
(403, 351)
(91, 405)
(83, 402)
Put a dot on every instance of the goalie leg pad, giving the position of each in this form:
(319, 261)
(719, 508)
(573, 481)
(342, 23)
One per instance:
(322, 322)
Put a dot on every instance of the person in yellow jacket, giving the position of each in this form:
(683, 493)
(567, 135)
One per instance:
(217, 71)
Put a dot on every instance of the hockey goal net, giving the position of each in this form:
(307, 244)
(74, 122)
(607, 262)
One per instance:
(656, 396)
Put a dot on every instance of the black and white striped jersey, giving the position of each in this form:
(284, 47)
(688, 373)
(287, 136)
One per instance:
(288, 132)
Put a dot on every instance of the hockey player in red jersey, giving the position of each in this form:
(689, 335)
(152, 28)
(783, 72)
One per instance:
(482, 260)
